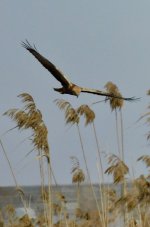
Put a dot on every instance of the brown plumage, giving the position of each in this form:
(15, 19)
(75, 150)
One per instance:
(67, 86)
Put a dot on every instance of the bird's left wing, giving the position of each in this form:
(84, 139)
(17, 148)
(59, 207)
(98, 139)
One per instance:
(102, 93)
(47, 64)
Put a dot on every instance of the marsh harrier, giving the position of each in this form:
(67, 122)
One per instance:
(67, 86)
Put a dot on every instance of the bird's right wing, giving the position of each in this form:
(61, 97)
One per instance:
(106, 94)
(47, 64)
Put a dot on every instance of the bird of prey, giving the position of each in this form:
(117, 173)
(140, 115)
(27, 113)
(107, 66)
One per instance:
(67, 86)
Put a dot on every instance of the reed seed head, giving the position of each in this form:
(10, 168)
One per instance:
(130, 200)
(71, 115)
(78, 174)
(29, 102)
(87, 112)
(117, 168)
(145, 159)
(31, 117)
(114, 102)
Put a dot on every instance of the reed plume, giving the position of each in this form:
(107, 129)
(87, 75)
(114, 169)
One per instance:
(130, 200)
(117, 168)
(114, 102)
(145, 159)
(143, 186)
(71, 115)
(78, 175)
(31, 118)
(89, 115)
(87, 112)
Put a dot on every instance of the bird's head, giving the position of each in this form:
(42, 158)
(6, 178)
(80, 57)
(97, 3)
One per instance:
(74, 94)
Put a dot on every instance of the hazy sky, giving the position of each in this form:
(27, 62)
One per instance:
(93, 42)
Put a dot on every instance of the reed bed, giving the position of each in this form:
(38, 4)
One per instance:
(131, 205)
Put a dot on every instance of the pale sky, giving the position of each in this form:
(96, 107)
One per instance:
(92, 42)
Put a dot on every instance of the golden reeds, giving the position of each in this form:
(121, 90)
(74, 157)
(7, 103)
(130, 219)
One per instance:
(87, 112)
(145, 159)
(136, 200)
(72, 116)
(31, 118)
(117, 168)
(78, 175)
(114, 102)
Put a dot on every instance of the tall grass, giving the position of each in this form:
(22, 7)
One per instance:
(133, 203)
(31, 118)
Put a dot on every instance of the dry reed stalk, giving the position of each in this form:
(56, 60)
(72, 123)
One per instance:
(50, 215)
(42, 177)
(18, 188)
(88, 173)
(89, 115)
(31, 118)
(117, 105)
(137, 199)
(77, 177)
(118, 133)
(72, 117)
(130, 199)
(122, 135)
(117, 168)
(101, 173)
(111, 208)
(147, 116)
(63, 209)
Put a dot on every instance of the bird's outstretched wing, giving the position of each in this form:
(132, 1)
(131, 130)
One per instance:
(47, 64)
(102, 93)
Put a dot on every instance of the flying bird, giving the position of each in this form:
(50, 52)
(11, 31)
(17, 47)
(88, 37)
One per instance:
(67, 86)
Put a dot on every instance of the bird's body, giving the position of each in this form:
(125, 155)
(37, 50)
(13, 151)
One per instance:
(67, 86)
(70, 90)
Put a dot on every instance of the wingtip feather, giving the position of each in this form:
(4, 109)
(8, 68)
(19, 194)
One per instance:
(132, 99)
(27, 45)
